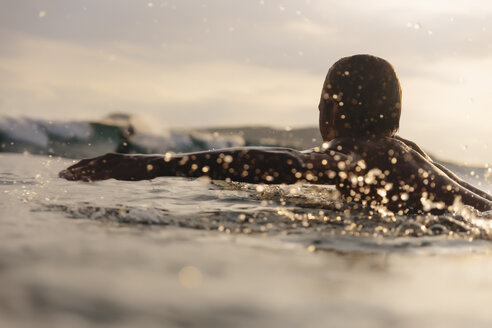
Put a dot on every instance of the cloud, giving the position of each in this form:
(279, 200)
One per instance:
(51, 73)
(307, 28)
(234, 61)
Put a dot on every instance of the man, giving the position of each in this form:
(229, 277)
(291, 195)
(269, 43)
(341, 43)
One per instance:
(359, 114)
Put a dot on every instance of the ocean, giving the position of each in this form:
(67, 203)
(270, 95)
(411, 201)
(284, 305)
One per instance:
(179, 252)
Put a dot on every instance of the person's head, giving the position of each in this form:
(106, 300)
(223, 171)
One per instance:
(361, 98)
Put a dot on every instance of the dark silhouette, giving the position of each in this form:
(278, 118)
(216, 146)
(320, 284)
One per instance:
(359, 114)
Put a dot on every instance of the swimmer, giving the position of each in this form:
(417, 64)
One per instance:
(359, 115)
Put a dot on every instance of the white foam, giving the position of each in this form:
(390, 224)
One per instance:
(25, 130)
(183, 141)
(79, 130)
(215, 141)
(36, 132)
(160, 143)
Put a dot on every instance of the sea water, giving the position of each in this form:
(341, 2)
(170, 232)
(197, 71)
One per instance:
(194, 252)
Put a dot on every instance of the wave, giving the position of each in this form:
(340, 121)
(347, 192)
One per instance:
(115, 133)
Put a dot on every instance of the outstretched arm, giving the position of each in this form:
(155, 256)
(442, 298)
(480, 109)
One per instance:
(256, 165)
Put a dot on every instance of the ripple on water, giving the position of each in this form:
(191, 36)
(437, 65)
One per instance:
(312, 215)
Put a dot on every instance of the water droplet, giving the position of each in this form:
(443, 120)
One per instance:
(190, 277)
(311, 248)
(228, 159)
(168, 156)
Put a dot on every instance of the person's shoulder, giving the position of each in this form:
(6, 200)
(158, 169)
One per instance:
(358, 144)
(340, 143)
(377, 151)
(412, 145)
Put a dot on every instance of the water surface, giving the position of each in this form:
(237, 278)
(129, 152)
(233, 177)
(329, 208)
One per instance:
(178, 252)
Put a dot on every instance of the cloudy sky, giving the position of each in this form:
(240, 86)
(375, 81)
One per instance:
(180, 63)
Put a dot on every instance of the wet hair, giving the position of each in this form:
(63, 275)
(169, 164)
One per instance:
(367, 95)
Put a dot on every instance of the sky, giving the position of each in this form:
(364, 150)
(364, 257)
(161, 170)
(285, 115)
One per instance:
(191, 63)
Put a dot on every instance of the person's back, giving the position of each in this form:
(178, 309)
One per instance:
(398, 178)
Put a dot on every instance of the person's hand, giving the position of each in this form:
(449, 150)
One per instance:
(116, 166)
